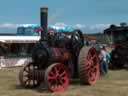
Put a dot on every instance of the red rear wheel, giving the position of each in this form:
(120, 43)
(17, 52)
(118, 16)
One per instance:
(88, 64)
(57, 77)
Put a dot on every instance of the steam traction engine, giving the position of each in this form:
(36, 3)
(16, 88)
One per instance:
(119, 37)
(59, 57)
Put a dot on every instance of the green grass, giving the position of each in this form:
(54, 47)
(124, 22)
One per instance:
(115, 83)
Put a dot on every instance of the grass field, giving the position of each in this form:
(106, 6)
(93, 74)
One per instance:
(115, 83)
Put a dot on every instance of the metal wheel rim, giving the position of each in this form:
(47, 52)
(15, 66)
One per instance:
(57, 77)
(92, 66)
(25, 78)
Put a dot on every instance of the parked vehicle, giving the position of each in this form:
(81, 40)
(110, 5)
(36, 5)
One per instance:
(119, 37)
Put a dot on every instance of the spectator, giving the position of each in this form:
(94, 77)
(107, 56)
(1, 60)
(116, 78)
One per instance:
(104, 60)
(107, 57)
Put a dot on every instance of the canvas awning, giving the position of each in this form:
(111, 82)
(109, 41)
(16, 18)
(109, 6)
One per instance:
(19, 39)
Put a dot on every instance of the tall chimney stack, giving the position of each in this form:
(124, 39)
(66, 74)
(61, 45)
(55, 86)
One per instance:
(44, 22)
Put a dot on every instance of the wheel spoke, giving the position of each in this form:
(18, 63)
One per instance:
(94, 56)
(63, 73)
(51, 77)
(29, 69)
(56, 70)
(88, 64)
(26, 75)
(61, 82)
(26, 69)
(92, 77)
(64, 78)
(26, 81)
(93, 73)
(94, 69)
(88, 73)
(89, 55)
(52, 73)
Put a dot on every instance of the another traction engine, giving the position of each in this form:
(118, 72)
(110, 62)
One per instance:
(59, 57)
(119, 37)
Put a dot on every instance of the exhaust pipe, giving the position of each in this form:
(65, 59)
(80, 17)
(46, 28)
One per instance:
(44, 22)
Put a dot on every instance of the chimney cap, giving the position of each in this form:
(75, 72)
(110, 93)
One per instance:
(44, 9)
